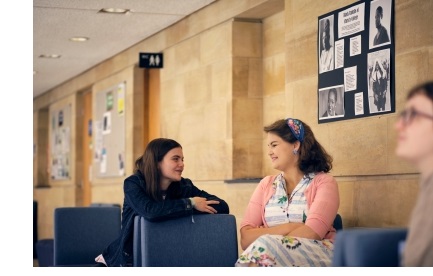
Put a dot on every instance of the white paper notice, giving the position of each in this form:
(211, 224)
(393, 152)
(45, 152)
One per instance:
(359, 103)
(103, 165)
(351, 20)
(350, 79)
(339, 53)
(355, 45)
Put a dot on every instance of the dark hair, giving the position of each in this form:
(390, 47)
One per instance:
(380, 10)
(326, 30)
(147, 164)
(333, 91)
(423, 89)
(312, 156)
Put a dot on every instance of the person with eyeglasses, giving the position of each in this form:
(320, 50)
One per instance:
(415, 144)
(289, 218)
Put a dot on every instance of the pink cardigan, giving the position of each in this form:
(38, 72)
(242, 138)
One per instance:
(322, 198)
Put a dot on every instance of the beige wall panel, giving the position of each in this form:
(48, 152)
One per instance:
(241, 69)
(273, 34)
(247, 39)
(247, 118)
(273, 74)
(169, 70)
(247, 77)
(186, 55)
(197, 89)
(301, 58)
(110, 194)
(412, 68)
(172, 95)
(177, 32)
(255, 83)
(347, 191)
(221, 79)
(359, 147)
(413, 27)
(275, 107)
(48, 199)
(385, 203)
(246, 164)
(215, 44)
(430, 71)
(305, 100)
(216, 121)
(191, 128)
(198, 166)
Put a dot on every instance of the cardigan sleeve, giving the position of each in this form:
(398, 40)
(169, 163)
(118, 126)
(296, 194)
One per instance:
(254, 212)
(324, 204)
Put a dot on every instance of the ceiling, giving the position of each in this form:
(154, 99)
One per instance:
(56, 21)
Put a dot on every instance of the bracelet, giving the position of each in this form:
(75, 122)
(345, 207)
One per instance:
(192, 201)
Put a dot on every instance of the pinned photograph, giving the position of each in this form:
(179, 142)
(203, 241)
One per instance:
(380, 23)
(331, 102)
(326, 44)
(379, 81)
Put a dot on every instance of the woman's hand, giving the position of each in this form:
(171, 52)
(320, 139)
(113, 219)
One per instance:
(203, 205)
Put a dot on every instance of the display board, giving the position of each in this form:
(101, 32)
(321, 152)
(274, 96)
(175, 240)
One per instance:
(60, 143)
(109, 132)
(356, 61)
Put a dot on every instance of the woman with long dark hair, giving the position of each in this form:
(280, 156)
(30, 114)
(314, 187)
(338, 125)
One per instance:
(157, 191)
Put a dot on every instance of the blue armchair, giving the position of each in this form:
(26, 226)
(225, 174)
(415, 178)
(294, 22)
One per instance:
(368, 247)
(81, 233)
(206, 241)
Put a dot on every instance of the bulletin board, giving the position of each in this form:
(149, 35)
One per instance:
(109, 132)
(60, 143)
(356, 58)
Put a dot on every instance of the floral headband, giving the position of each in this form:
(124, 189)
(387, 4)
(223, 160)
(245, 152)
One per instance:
(297, 128)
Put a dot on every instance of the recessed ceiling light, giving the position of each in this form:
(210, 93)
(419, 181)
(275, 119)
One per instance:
(114, 10)
(50, 56)
(79, 39)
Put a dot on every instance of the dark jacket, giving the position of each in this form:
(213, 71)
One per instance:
(137, 202)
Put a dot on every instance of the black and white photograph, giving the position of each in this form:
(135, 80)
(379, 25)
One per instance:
(380, 23)
(331, 102)
(326, 44)
(379, 81)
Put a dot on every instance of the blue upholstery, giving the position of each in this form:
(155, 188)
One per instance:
(45, 251)
(81, 233)
(338, 222)
(209, 241)
(368, 247)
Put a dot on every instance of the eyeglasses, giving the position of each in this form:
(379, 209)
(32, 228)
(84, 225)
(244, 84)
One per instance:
(408, 115)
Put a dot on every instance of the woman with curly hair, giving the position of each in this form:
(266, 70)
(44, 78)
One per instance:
(288, 221)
